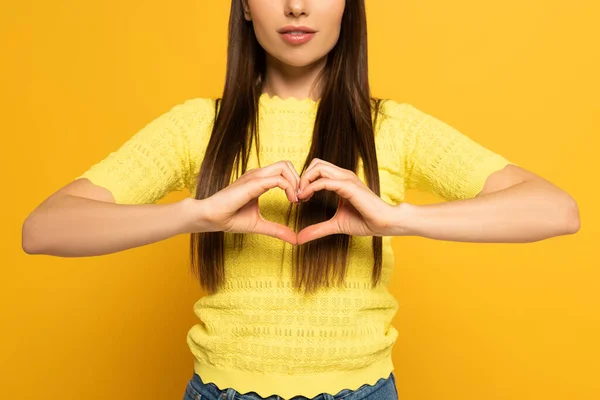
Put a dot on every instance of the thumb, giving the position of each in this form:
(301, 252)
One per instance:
(317, 231)
(275, 230)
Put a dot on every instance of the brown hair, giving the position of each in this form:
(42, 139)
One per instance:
(343, 132)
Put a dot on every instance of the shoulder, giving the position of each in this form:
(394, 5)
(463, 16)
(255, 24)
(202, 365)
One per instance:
(399, 112)
(197, 110)
(180, 119)
(404, 123)
(194, 118)
(199, 104)
(396, 119)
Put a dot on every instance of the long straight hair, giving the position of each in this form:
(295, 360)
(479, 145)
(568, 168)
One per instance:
(343, 132)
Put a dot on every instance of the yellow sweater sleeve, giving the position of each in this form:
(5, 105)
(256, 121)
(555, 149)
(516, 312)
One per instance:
(159, 158)
(441, 160)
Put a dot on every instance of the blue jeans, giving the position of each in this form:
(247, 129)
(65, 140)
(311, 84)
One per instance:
(384, 389)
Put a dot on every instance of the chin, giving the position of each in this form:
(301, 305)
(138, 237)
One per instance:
(298, 60)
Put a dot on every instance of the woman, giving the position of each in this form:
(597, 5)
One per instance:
(297, 304)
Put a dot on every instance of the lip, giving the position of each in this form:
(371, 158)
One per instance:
(292, 28)
(296, 39)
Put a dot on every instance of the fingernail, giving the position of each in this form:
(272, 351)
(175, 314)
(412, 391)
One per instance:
(299, 190)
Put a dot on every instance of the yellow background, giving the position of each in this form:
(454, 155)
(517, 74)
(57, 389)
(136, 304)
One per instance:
(476, 321)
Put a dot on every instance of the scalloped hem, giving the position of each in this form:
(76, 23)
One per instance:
(288, 386)
(291, 103)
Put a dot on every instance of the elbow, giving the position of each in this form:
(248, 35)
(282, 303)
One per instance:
(27, 238)
(573, 222)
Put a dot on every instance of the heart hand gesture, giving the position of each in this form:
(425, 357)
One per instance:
(235, 208)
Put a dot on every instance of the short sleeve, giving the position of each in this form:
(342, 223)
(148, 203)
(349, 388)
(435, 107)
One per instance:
(441, 160)
(157, 159)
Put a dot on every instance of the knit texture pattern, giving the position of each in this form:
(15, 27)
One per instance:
(258, 334)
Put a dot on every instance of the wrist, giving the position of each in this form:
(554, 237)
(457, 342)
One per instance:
(402, 216)
(193, 216)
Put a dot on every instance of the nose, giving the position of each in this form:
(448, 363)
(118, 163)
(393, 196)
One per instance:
(295, 8)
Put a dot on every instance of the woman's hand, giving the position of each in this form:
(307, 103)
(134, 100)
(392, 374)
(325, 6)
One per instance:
(235, 208)
(360, 212)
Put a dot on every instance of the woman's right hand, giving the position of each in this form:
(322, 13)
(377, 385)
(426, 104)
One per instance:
(235, 207)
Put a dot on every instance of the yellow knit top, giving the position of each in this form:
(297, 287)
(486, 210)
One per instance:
(258, 334)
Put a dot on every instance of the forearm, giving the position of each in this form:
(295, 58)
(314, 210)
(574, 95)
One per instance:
(526, 212)
(77, 227)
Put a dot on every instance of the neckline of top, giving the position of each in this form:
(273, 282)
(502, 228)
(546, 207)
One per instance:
(291, 103)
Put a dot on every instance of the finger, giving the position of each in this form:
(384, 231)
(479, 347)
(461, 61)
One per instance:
(317, 231)
(340, 186)
(315, 161)
(253, 188)
(357, 194)
(318, 160)
(281, 168)
(249, 174)
(321, 170)
(295, 173)
(345, 188)
(312, 164)
(276, 230)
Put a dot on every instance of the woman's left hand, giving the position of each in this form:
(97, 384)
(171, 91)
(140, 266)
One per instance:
(360, 212)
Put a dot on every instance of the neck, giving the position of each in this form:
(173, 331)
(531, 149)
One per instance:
(287, 81)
